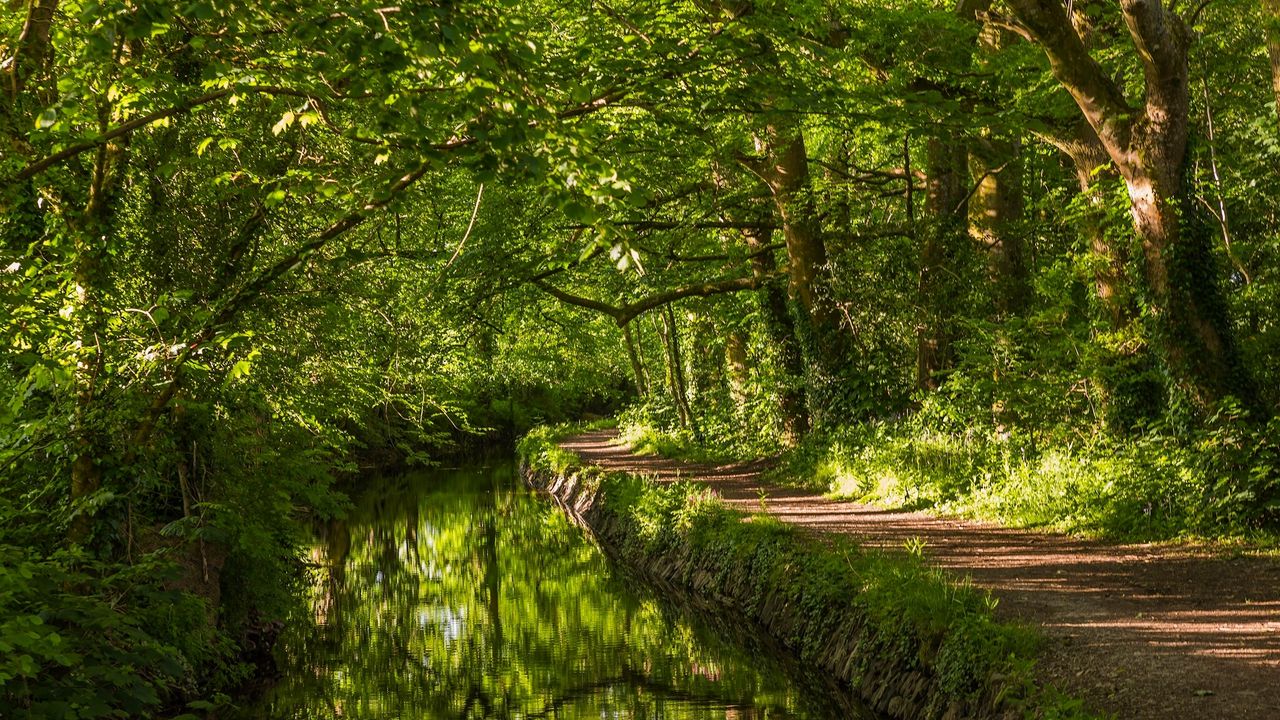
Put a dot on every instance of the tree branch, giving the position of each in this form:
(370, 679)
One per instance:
(236, 303)
(190, 104)
(1161, 39)
(1099, 98)
(714, 257)
(45, 163)
(626, 313)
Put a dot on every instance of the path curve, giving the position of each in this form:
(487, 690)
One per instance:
(1142, 631)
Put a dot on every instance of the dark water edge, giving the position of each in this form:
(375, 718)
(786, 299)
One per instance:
(459, 594)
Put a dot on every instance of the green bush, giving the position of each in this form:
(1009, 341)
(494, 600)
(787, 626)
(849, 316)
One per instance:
(80, 639)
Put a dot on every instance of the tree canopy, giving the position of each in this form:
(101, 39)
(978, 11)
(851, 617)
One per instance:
(251, 247)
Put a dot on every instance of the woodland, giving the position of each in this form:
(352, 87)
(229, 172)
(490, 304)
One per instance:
(1017, 259)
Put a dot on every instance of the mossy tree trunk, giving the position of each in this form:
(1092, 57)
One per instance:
(1130, 392)
(1148, 144)
(737, 363)
(1271, 16)
(995, 219)
(783, 165)
(780, 329)
(945, 202)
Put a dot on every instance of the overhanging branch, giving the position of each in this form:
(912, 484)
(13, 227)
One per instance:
(626, 313)
(230, 308)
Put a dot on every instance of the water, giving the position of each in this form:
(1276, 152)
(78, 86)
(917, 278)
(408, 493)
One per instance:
(458, 594)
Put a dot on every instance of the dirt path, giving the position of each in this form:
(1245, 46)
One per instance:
(1141, 631)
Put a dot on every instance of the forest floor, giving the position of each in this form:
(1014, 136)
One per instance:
(1141, 631)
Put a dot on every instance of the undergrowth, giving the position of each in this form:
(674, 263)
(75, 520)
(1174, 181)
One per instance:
(1218, 480)
(540, 446)
(1221, 483)
(649, 428)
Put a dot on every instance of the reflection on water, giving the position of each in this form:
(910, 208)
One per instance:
(456, 594)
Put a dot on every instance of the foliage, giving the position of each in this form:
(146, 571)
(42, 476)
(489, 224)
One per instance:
(539, 448)
(252, 250)
(126, 647)
(1219, 481)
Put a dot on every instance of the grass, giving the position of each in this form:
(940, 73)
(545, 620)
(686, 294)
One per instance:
(646, 440)
(539, 448)
(1218, 485)
(1212, 488)
(904, 610)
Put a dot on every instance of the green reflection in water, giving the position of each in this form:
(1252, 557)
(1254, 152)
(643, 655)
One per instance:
(456, 594)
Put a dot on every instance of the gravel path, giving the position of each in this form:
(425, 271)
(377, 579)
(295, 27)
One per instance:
(1141, 631)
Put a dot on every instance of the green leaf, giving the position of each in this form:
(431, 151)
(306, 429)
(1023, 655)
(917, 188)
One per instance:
(47, 118)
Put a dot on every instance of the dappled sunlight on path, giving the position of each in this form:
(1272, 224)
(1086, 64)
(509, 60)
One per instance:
(1144, 631)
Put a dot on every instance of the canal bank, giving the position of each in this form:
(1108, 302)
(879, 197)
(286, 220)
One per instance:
(897, 633)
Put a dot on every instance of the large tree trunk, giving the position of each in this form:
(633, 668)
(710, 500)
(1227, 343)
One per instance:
(947, 204)
(780, 329)
(995, 220)
(1129, 390)
(1093, 168)
(1271, 15)
(1148, 146)
(997, 205)
(784, 168)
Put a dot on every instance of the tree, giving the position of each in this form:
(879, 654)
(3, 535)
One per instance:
(1271, 16)
(1148, 144)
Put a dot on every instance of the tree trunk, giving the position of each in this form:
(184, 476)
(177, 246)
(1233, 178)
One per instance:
(945, 204)
(735, 359)
(675, 368)
(785, 170)
(997, 206)
(91, 231)
(637, 365)
(1092, 166)
(995, 220)
(1148, 146)
(1271, 16)
(781, 331)
(704, 373)
(1130, 392)
(33, 51)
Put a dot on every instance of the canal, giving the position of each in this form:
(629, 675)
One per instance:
(460, 594)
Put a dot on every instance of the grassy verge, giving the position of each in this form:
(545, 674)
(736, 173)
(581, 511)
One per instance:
(1216, 486)
(837, 598)
(646, 440)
